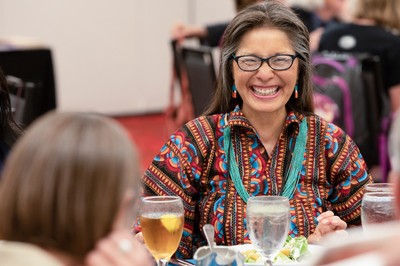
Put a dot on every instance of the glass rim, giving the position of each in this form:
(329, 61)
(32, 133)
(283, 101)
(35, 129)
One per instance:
(163, 199)
(260, 198)
(391, 185)
(376, 194)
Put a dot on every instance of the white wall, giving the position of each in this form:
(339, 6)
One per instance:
(110, 56)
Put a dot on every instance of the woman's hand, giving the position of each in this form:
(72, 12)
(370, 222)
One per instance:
(119, 249)
(328, 223)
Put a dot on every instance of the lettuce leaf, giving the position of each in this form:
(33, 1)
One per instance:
(294, 249)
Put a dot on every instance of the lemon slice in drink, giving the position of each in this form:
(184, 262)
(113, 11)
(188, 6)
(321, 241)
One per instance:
(171, 222)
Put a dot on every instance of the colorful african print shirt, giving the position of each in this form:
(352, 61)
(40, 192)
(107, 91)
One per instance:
(193, 165)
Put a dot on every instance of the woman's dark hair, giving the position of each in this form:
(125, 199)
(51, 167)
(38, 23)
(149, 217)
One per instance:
(268, 14)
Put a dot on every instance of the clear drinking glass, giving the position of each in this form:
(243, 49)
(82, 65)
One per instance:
(377, 207)
(161, 219)
(268, 220)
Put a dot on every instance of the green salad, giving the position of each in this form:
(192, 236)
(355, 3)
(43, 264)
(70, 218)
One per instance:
(294, 249)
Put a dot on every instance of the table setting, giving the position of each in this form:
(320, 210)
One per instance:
(162, 219)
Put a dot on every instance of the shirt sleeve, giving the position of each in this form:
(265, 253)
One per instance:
(348, 174)
(393, 55)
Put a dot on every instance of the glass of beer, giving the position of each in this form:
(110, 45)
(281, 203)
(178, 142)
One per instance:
(161, 219)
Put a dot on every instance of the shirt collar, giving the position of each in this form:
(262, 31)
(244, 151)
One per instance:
(236, 118)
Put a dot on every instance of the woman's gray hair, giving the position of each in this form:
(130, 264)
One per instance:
(268, 14)
(394, 144)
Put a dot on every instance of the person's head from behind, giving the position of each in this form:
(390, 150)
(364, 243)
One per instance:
(264, 30)
(67, 182)
(385, 13)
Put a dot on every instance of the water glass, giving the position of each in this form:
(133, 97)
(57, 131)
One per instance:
(377, 207)
(268, 220)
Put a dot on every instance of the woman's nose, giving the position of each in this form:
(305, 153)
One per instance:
(265, 71)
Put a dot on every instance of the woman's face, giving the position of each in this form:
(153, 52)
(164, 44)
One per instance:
(265, 91)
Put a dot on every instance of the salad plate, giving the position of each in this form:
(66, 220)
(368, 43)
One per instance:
(312, 249)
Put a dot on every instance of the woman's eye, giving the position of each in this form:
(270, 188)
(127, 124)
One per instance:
(250, 61)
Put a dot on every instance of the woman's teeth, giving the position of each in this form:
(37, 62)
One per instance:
(265, 92)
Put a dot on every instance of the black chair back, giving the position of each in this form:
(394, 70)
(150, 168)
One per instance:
(199, 67)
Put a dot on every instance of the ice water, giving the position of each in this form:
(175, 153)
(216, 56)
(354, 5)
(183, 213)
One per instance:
(377, 207)
(268, 228)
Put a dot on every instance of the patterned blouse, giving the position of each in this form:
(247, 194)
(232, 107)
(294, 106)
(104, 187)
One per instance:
(193, 165)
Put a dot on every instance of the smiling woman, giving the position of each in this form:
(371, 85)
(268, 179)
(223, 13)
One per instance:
(260, 137)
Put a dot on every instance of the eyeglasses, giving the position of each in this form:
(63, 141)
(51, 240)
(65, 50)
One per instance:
(253, 62)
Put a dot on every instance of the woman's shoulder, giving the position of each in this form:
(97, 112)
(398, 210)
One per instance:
(210, 122)
(17, 253)
(331, 136)
(324, 127)
(202, 129)
(338, 29)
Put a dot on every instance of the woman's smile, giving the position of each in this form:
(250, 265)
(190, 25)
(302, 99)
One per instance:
(265, 91)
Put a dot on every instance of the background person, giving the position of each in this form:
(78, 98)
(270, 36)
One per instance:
(373, 30)
(211, 34)
(261, 124)
(70, 182)
(317, 15)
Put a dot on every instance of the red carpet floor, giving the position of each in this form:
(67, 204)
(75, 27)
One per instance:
(148, 132)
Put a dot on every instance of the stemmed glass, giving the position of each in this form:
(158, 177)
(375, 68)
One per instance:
(268, 220)
(377, 207)
(161, 219)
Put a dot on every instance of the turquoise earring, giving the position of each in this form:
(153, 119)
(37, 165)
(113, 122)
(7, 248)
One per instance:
(296, 91)
(234, 91)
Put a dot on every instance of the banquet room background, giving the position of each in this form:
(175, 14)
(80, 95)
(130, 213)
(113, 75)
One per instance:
(112, 57)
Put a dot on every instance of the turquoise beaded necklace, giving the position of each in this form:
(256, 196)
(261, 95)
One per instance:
(292, 174)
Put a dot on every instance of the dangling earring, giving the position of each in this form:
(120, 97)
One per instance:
(296, 91)
(234, 91)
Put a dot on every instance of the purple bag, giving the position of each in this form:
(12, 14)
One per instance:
(351, 85)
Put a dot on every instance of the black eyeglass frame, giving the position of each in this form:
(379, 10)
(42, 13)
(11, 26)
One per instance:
(293, 57)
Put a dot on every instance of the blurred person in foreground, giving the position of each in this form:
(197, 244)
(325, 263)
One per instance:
(380, 246)
(10, 130)
(261, 137)
(373, 29)
(68, 190)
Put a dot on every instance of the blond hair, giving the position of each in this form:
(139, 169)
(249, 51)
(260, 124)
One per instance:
(385, 13)
(64, 181)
